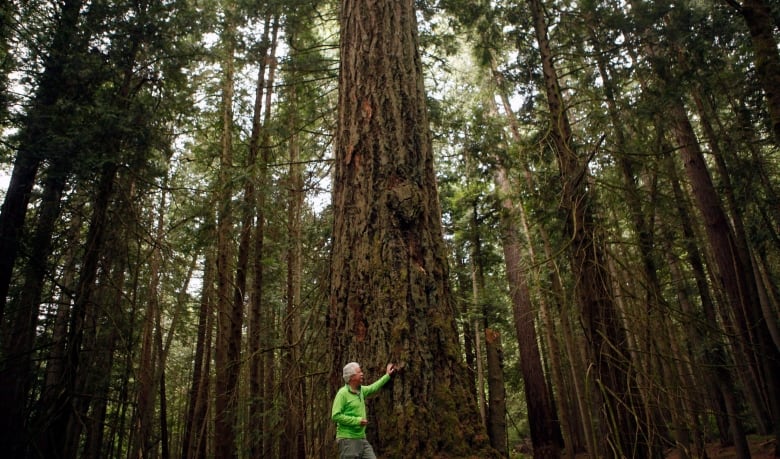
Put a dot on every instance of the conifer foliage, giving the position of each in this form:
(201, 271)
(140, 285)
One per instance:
(559, 219)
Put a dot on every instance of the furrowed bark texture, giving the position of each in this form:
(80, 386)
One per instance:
(390, 300)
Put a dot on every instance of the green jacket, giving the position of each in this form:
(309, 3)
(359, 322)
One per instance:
(349, 408)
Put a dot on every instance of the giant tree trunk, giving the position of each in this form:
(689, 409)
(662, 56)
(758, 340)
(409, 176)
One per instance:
(390, 298)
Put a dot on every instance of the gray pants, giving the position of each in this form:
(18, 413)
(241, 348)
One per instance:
(359, 448)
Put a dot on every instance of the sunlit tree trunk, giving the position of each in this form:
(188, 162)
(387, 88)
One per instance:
(389, 296)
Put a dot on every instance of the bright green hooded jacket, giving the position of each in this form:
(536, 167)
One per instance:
(349, 408)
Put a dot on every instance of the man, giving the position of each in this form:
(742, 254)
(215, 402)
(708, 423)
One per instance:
(349, 412)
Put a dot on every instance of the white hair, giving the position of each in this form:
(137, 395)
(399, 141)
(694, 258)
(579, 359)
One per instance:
(350, 370)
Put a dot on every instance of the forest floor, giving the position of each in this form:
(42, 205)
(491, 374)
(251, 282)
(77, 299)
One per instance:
(761, 447)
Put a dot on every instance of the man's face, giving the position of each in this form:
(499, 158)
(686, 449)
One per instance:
(357, 377)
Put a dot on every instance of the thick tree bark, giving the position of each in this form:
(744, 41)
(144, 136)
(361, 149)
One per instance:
(390, 298)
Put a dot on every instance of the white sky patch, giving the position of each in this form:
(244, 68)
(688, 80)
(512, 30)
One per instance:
(5, 179)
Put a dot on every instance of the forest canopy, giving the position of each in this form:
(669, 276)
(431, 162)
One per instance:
(559, 219)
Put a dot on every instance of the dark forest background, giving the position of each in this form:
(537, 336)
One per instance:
(609, 190)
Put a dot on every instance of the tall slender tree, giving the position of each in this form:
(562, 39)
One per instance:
(294, 441)
(7, 61)
(260, 313)
(621, 409)
(56, 89)
(229, 317)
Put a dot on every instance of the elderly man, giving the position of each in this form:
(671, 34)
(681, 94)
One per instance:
(349, 412)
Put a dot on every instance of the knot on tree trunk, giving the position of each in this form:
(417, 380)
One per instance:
(404, 200)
